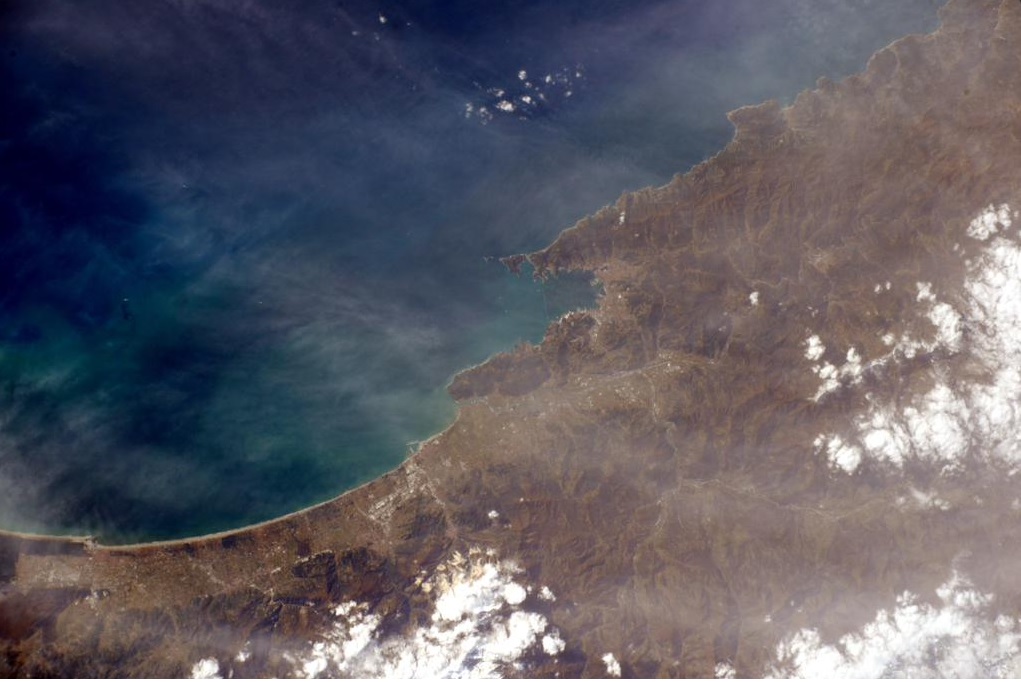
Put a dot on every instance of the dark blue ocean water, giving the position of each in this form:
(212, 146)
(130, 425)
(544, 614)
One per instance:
(245, 245)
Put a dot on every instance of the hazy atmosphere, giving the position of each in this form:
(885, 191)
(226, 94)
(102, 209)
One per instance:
(245, 245)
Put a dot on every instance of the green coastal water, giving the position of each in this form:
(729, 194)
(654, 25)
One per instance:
(242, 428)
(245, 248)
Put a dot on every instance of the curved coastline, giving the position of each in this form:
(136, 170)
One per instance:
(747, 121)
(663, 472)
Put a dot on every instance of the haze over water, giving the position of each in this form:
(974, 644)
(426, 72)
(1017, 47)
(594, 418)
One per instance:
(245, 245)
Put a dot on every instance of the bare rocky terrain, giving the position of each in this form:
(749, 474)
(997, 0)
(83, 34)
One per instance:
(674, 483)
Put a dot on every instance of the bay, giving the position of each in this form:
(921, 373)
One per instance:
(245, 245)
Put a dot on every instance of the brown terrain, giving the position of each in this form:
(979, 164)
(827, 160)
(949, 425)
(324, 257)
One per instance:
(652, 460)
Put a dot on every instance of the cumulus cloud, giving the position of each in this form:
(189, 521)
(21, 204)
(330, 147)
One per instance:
(946, 321)
(206, 669)
(840, 454)
(941, 425)
(955, 636)
(612, 665)
(477, 629)
(814, 347)
(724, 671)
(989, 222)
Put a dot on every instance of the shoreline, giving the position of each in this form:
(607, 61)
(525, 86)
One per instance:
(512, 263)
(90, 542)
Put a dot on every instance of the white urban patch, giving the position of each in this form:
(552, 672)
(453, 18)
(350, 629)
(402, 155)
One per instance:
(476, 629)
(943, 425)
(206, 669)
(612, 666)
(957, 637)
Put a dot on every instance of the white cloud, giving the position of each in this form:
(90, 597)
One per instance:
(753, 298)
(521, 97)
(957, 637)
(612, 666)
(833, 377)
(948, 336)
(724, 671)
(883, 437)
(830, 376)
(475, 629)
(925, 292)
(929, 500)
(206, 669)
(514, 594)
(552, 643)
(814, 347)
(989, 222)
(944, 424)
(937, 425)
(840, 454)
(948, 326)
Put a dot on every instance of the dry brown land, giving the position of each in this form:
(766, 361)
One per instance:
(651, 460)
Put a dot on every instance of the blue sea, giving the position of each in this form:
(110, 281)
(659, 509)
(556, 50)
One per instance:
(244, 245)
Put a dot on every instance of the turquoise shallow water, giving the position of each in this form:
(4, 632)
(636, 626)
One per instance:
(246, 246)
